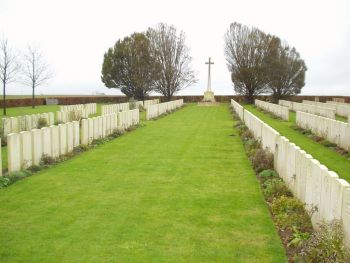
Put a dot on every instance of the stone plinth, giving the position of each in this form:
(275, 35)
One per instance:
(209, 96)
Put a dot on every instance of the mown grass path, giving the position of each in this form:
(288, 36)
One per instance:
(179, 189)
(333, 160)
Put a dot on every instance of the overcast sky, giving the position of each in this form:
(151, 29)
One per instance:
(75, 34)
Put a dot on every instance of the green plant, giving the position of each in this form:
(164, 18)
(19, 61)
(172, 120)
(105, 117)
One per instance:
(275, 187)
(262, 160)
(267, 174)
(42, 122)
(289, 211)
(298, 238)
(326, 244)
(4, 181)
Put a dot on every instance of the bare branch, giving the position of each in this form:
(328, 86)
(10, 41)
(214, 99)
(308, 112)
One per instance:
(169, 50)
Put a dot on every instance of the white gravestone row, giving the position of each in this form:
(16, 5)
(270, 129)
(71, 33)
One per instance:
(89, 108)
(114, 108)
(28, 147)
(156, 110)
(127, 119)
(311, 182)
(73, 115)
(324, 111)
(277, 110)
(146, 103)
(340, 108)
(25, 123)
(103, 126)
(334, 131)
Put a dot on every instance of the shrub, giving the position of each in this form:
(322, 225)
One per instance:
(267, 174)
(42, 122)
(328, 143)
(326, 245)
(317, 138)
(289, 212)
(35, 168)
(47, 160)
(246, 134)
(81, 148)
(262, 160)
(251, 146)
(275, 187)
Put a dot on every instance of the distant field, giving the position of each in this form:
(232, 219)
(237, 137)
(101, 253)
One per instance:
(12, 97)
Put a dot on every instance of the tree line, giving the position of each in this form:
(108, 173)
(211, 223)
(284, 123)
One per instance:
(261, 63)
(30, 68)
(158, 60)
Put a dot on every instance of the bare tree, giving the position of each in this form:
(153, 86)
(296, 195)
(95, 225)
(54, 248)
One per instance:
(8, 67)
(36, 71)
(169, 50)
(245, 51)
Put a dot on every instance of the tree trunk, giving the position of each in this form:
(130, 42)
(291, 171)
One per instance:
(4, 98)
(33, 104)
(250, 98)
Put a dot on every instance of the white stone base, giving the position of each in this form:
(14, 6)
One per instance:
(209, 96)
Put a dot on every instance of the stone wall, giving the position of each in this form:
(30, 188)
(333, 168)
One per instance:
(311, 182)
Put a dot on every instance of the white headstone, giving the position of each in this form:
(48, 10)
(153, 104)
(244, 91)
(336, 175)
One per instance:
(14, 152)
(37, 146)
(55, 141)
(26, 149)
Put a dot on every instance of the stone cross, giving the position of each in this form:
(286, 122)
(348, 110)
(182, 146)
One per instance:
(209, 78)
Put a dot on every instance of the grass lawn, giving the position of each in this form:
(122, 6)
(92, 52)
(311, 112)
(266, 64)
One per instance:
(179, 189)
(333, 160)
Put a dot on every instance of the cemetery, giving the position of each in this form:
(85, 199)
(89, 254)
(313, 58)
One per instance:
(142, 149)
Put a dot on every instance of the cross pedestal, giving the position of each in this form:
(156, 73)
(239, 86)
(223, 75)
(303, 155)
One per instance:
(209, 94)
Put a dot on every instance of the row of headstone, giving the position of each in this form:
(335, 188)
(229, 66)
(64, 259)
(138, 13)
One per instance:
(311, 182)
(74, 115)
(147, 103)
(90, 108)
(337, 132)
(277, 110)
(312, 108)
(341, 108)
(127, 119)
(98, 127)
(26, 122)
(156, 110)
(114, 108)
(27, 148)
(102, 126)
